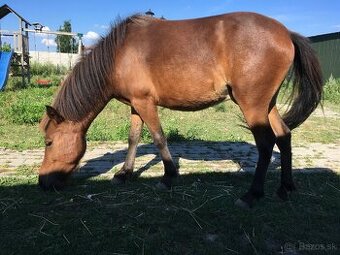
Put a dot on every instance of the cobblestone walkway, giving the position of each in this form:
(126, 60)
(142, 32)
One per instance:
(107, 158)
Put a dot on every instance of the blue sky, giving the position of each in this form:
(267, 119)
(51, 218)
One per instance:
(92, 18)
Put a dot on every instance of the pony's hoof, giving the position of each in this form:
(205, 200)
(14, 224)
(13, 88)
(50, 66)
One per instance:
(243, 205)
(117, 181)
(284, 192)
(162, 186)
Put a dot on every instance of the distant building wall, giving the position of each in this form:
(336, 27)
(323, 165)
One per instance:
(62, 59)
(327, 47)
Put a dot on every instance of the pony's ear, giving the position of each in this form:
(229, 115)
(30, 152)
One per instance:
(53, 114)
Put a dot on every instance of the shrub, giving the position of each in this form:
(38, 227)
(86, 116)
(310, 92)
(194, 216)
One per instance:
(14, 83)
(25, 112)
(28, 105)
(47, 69)
(48, 72)
(173, 135)
(332, 90)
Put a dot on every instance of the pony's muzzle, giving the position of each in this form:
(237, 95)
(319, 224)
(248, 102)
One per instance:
(56, 180)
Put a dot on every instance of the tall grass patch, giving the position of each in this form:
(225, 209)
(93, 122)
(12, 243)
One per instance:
(47, 69)
(26, 106)
(332, 90)
(51, 74)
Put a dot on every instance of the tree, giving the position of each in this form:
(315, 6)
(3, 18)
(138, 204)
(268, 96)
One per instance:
(66, 43)
(5, 47)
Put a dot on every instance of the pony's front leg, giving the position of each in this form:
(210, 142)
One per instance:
(148, 112)
(134, 136)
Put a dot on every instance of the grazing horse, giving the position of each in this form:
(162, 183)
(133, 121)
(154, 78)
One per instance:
(185, 65)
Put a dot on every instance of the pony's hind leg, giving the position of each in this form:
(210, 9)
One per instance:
(255, 110)
(134, 136)
(265, 140)
(283, 142)
(148, 112)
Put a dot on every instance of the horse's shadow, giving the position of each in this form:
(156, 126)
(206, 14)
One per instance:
(242, 154)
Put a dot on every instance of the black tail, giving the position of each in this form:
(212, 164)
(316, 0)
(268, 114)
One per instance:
(307, 82)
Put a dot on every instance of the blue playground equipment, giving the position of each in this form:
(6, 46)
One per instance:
(5, 63)
(19, 47)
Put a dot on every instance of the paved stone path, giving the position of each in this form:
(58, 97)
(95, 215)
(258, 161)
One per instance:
(107, 158)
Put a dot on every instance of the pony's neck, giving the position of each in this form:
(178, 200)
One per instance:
(86, 121)
(88, 88)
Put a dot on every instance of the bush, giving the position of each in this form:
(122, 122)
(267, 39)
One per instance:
(53, 74)
(174, 135)
(47, 69)
(14, 83)
(332, 90)
(25, 112)
(28, 106)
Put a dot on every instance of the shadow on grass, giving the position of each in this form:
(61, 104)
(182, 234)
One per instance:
(197, 216)
(242, 154)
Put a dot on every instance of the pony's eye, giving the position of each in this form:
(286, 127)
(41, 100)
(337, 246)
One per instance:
(48, 143)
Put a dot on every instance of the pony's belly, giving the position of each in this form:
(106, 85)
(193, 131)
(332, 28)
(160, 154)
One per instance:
(191, 104)
(195, 96)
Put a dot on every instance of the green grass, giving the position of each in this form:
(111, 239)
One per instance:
(20, 113)
(21, 110)
(332, 90)
(318, 130)
(197, 216)
(48, 72)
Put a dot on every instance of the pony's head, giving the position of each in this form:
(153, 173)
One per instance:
(65, 145)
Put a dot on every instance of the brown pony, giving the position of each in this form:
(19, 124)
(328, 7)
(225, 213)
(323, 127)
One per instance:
(185, 65)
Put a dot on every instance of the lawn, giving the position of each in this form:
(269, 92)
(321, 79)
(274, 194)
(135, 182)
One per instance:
(197, 216)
